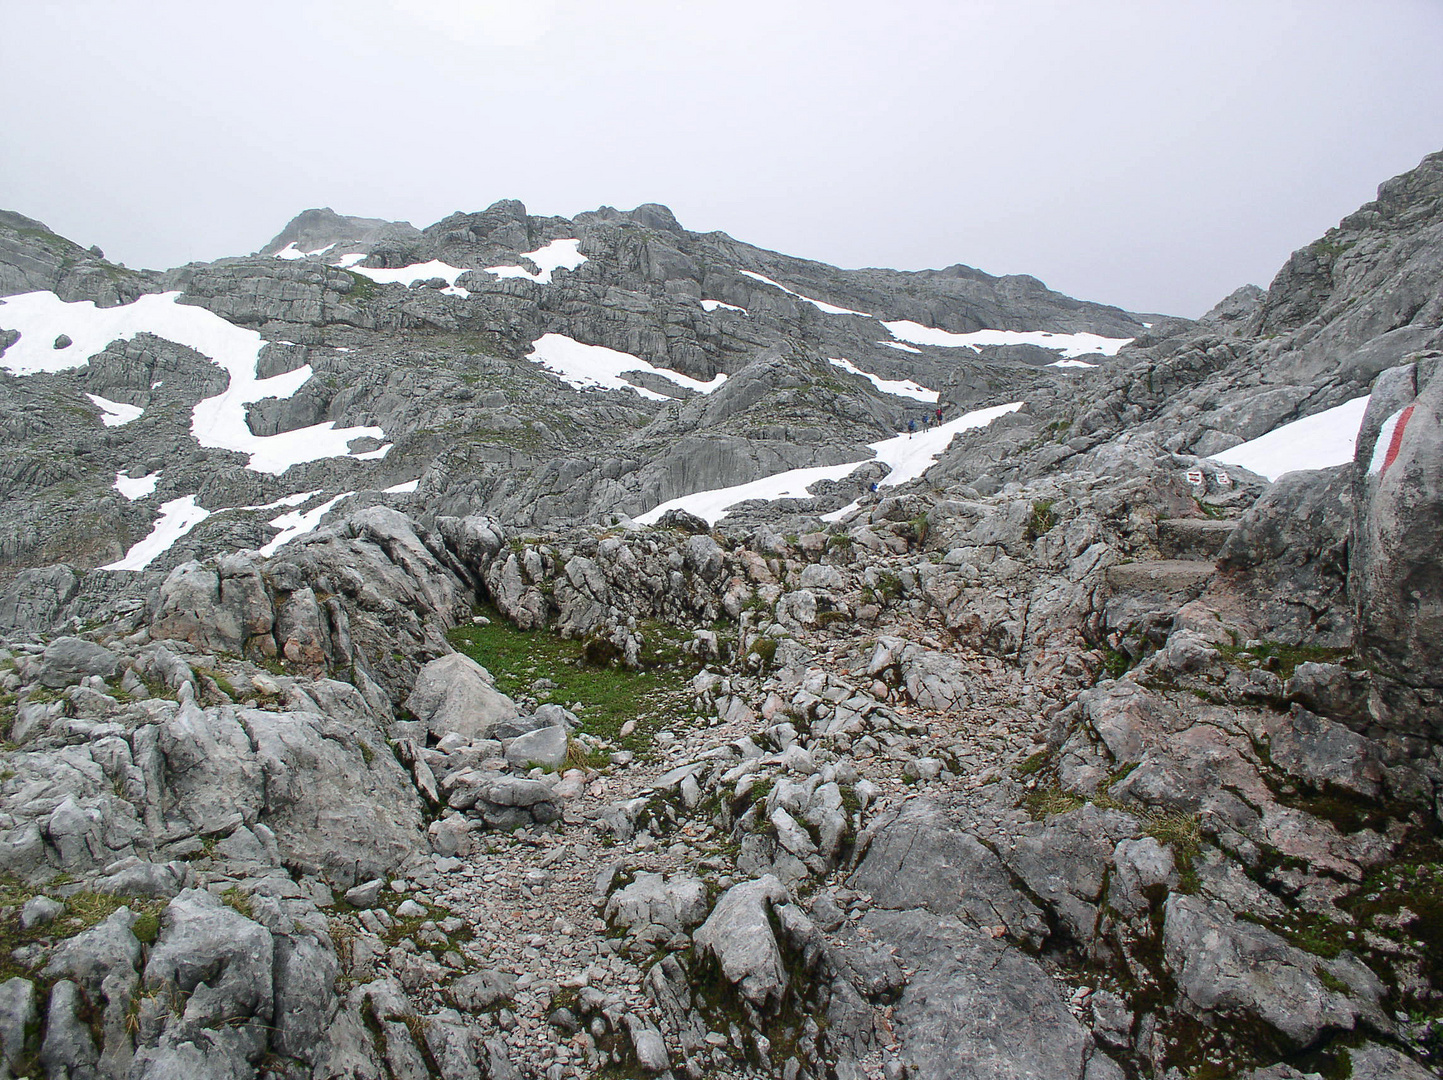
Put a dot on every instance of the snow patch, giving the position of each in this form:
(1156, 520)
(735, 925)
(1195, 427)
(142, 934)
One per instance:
(820, 305)
(409, 275)
(348, 262)
(900, 347)
(1070, 345)
(899, 387)
(1071, 364)
(217, 422)
(557, 255)
(136, 487)
(298, 522)
(290, 251)
(115, 412)
(404, 489)
(177, 518)
(1319, 441)
(584, 366)
(712, 305)
(907, 456)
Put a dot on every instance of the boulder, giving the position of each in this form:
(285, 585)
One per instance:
(1396, 578)
(738, 936)
(456, 694)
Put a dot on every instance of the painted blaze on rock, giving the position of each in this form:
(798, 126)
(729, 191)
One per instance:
(1396, 571)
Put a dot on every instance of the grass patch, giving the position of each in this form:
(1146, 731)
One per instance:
(1041, 520)
(1281, 658)
(609, 695)
(1034, 763)
(1045, 802)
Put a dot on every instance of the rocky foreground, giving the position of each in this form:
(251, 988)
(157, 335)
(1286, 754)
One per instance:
(1079, 757)
(1019, 785)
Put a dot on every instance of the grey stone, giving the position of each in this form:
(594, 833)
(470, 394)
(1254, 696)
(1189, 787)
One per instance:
(482, 989)
(39, 910)
(456, 694)
(19, 1012)
(217, 955)
(962, 1011)
(365, 894)
(545, 747)
(738, 935)
(1226, 967)
(67, 660)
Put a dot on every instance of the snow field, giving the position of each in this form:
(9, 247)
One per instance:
(907, 456)
(136, 487)
(1070, 345)
(1315, 442)
(177, 518)
(712, 305)
(557, 255)
(218, 422)
(584, 366)
(898, 387)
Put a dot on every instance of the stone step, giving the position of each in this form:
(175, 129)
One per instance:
(1160, 576)
(1201, 538)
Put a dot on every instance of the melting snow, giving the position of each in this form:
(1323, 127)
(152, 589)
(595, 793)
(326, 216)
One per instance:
(900, 387)
(177, 518)
(290, 251)
(557, 255)
(1071, 364)
(115, 412)
(218, 422)
(907, 456)
(712, 305)
(900, 347)
(347, 262)
(298, 522)
(136, 487)
(409, 275)
(820, 305)
(1071, 345)
(404, 489)
(584, 366)
(1315, 442)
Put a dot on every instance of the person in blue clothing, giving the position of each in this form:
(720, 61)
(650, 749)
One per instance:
(911, 428)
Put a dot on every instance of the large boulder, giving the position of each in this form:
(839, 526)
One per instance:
(1396, 577)
(456, 694)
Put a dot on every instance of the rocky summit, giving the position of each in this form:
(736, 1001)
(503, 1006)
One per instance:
(530, 647)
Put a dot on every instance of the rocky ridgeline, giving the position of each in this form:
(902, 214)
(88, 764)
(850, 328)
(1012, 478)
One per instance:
(1059, 762)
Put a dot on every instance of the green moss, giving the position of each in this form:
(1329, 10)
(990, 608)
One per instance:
(1284, 659)
(1035, 763)
(363, 289)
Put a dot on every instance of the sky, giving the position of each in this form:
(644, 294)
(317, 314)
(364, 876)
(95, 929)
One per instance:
(1154, 154)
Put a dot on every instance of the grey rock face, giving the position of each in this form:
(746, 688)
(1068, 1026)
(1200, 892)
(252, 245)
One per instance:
(961, 1012)
(1398, 523)
(918, 859)
(1225, 966)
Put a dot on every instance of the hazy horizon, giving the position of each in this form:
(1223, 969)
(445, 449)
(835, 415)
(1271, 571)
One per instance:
(1151, 157)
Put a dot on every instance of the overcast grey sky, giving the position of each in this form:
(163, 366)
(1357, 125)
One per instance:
(1154, 155)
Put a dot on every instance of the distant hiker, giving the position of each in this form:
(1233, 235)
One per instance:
(874, 489)
(939, 415)
(926, 421)
(911, 428)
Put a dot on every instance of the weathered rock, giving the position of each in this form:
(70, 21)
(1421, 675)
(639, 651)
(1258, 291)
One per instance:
(456, 694)
(482, 989)
(545, 747)
(738, 936)
(1228, 968)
